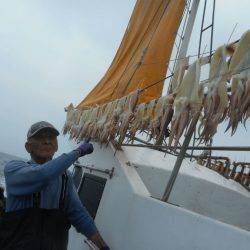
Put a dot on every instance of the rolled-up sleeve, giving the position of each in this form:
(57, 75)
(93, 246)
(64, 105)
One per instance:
(77, 213)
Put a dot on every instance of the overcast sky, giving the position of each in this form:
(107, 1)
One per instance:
(54, 52)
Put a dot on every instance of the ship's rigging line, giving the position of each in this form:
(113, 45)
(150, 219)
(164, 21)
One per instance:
(176, 59)
(234, 28)
(195, 55)
(115, 88)
(159, 62)
(203, 82)
(181, 37)
(145, 50)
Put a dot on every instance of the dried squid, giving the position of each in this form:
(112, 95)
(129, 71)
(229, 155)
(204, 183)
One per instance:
(154, 126)
(146, 120)
(77, 128)
(188, 100)
(127, 115)
(69, 119)
(166, 117)
(136, 122)
(93, 128)
(104, 117)
(239, 108)
(111, 126)
(216, 99)
(166, 113)
(86, 128)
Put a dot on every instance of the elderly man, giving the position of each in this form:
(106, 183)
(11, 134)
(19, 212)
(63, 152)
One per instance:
(42, 201)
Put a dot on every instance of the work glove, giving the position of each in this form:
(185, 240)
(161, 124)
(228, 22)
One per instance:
(105, 248)
(85, 148)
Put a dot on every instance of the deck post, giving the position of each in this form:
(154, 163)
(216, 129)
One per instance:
(181, 156)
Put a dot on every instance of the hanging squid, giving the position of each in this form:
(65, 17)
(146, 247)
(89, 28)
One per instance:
(69, 119)
(188, 100)
(165, 119)
(154, 126)
(72, 121)
(166, 113)
(216, 98)
(239, 107)
(76, 129)
(146, 120)
(104, 117)
(85, 129)
(136, 122)
(127, 115)
(111, 126)
(93, 127)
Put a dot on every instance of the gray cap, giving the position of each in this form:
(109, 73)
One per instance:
(39, 126)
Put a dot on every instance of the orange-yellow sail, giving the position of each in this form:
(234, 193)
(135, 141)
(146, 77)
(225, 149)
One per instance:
(143, 55)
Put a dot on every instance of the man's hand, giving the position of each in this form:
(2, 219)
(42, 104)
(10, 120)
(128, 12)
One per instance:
(105, 248)
(99, 242)
(84, 149)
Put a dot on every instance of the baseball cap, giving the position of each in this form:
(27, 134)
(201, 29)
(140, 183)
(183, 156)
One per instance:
(39, 126)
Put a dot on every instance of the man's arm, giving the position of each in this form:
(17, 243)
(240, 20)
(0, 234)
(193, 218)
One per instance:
(80, 218)
(23, 178)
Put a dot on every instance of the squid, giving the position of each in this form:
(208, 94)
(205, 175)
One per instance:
(84, 132)
(166, 117)
(111, 126)
(92, 122)
(78, 128)
(216, 99)
(178, 74)
(188, 100)
(127, 115)
(136, 122)
(69, 119)
(74, 131)
(163, 114)
(154, 126)
(166, 113)
(240, 83)
(146, 120)
(104, 116)
(93, 126)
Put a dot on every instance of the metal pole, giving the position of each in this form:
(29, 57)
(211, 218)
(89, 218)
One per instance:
(187, 35)
(202, 24)
(215, 148)
(180, 157)
(212, 31)
(188, 30)
(106, 171)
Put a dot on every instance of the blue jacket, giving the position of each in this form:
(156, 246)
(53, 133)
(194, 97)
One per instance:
(23, 179)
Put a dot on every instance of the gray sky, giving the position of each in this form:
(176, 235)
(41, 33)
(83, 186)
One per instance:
(54, 52)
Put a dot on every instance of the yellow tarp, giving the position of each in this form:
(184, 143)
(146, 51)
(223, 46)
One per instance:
(143, 55)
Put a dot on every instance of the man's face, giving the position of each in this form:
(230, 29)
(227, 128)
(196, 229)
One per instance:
(43, 145)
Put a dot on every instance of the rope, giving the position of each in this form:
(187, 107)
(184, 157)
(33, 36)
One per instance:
(153, 84)
(139, 64)
(146, 31)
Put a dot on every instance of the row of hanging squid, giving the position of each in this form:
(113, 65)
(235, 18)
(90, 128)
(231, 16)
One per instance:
(224, 96)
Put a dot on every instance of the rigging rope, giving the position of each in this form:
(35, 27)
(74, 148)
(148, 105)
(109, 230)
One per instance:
(145, 50)
(146, 31)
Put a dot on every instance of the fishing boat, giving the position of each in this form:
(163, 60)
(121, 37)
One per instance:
(153, 181)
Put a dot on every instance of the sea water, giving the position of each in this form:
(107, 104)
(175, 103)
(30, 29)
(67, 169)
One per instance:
(2, 163)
